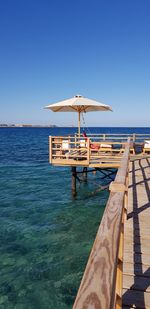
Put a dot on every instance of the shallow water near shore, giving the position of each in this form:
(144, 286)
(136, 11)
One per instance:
(46, 235)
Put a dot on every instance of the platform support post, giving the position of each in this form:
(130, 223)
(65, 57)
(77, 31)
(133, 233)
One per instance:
(74, 192)
(85, 174)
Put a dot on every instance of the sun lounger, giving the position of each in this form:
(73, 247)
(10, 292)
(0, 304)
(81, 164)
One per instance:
(122, 149)
(83, 143)
(65, 145)
(105, 148)
(75, 154)
(146, 148)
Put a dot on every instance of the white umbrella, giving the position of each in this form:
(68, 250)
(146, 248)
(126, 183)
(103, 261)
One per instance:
(78, 104)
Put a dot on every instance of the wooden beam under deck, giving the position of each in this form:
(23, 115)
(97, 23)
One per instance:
(85, 164)
(103, 161)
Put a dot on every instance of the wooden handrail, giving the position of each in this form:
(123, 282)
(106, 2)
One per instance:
(105, 138)
(99, 286)
(115, 136)
(98, 143)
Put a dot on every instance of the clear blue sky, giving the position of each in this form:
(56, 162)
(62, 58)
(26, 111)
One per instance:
(53, 49)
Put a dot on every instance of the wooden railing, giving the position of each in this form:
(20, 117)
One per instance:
(101, 285)
(67, 148)
(72, 150)
(120, 137)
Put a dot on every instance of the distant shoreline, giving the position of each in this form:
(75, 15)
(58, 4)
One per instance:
(73, 127)
(28, 126)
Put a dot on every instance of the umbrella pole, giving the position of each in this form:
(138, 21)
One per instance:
(79, 124)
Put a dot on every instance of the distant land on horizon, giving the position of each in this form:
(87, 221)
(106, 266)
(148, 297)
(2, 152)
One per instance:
(5, 125)
(27, 125)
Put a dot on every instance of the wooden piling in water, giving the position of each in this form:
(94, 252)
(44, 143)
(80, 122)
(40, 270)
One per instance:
(74, 173)
(85, 174)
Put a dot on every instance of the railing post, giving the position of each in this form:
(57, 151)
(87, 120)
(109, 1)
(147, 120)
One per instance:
(117, 299)
(50, 149)
(134, 137)
(126, 196)
(75, 139)
(88, 150)
(119, 277)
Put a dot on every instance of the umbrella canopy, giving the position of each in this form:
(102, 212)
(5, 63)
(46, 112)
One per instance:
(78, 104)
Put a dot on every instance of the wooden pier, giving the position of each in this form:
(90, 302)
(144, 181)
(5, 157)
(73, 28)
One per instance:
(117, 274)
(136, 262)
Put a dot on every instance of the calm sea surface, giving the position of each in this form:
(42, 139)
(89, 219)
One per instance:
(45, 234)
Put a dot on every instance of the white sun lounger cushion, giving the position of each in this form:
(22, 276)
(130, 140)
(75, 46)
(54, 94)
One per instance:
(83, 143)
(65, 144)
(147, 144)
(105, 146)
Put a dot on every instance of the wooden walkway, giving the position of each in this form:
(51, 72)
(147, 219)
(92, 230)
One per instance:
(136, 260)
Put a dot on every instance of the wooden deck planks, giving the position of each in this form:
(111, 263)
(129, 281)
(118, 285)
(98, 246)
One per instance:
(138, 283)
(129, 257)
(136, 269)
(136, 263)
(136, 299)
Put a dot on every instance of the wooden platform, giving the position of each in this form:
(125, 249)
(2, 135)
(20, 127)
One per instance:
(136, 258)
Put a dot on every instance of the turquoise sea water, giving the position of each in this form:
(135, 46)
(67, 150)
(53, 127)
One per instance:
(45, 235)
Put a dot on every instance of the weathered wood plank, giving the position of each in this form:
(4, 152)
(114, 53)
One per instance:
(71, 162)
(94, 290)
(136, 265)
(137, 227)
(137, 248)
(142, 229)
(136, 299)
(136, 269)
(137, 238)
(136, 258)
(139, 283)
